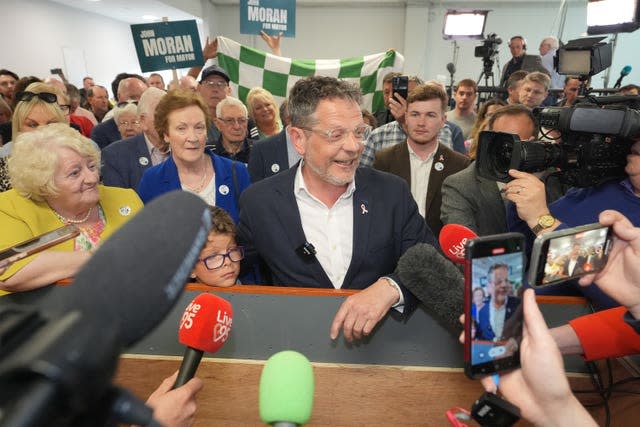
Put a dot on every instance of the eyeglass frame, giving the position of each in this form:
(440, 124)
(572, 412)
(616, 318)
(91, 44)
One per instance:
(48, 97)
(215, 84)
(224, 256)
(126, 123)
(326, 134)
(234, 121)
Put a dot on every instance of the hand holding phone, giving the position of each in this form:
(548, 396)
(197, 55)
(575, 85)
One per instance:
(494, 277)
(37, 244)
(400, 85)
(563, 255)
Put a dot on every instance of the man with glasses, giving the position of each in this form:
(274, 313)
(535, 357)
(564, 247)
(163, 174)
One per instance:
(326, 223)
(232, 118)
(130, 90)
(500, 307)
(124, 161)
(213, 87)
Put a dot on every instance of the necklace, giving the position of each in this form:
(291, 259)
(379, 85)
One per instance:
(66, 220)
(202, 183)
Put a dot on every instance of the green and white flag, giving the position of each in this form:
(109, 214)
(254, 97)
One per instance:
(248, 68)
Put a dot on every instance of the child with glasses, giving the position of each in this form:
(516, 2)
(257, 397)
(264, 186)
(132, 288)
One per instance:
(219, 263)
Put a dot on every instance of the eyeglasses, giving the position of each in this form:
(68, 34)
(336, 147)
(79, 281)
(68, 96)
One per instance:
(216, 261)
(66, 108)
(231, 121)
(45, 96)
(126, 123)
(215, 84)
(337, 135)
(125, 103)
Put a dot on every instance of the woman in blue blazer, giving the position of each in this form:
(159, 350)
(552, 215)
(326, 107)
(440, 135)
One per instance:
(182, 121)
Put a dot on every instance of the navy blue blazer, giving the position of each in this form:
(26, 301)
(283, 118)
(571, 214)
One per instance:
(268, 157)
(484, 331)
(163, 178)
(105, 133)
(124, 162)
(386, 224)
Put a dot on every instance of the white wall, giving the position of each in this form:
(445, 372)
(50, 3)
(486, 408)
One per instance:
(39, 30)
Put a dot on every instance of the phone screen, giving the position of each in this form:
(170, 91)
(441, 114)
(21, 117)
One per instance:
(569, 254)
(493, 304)
(400, 85)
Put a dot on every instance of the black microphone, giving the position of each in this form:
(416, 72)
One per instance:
(623, 73)
(130, 284)
(451, 68)
(436, 282)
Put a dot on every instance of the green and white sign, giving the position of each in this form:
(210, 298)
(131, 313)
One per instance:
(167, 45)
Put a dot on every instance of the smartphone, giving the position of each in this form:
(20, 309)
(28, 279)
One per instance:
(567, 254)
(494, 276)
(37, 244)
(400, 86)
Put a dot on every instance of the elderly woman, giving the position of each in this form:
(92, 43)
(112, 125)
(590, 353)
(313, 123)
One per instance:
(55, 172)
(127, 119)
(264, 112)
(181, 120)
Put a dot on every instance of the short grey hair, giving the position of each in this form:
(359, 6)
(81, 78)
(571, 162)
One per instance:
(149, 97)
(230, 101)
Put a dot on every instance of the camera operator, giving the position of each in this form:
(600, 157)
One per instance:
(578, 207)
(520, 60)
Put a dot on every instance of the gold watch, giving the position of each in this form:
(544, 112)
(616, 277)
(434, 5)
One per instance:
(544, 222)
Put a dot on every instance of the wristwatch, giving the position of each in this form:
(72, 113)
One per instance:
(632, 321)
(544, 222)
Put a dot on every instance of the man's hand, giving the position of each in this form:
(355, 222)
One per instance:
(210, 49)
(175, 408)
(528, 194)
(273, 42)
(620, 278)
(360, 313)
(398, 107)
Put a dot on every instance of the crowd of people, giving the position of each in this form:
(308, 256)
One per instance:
(309, 193)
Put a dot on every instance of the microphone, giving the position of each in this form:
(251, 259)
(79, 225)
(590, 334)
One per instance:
(623, 73)
(286, 390)
(130, 283)
(205, 326)
(451, 68)
(453, 240)
(436, 282)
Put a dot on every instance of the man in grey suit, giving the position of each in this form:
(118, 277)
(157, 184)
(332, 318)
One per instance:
(421, 160)
(124, 161)
(327, 223)
(520, 60)
(476, 202)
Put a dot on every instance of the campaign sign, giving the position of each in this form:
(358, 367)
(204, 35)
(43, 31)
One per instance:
(271, 16)
(167, 45)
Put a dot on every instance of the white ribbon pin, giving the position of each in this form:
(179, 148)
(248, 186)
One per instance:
(364, 209)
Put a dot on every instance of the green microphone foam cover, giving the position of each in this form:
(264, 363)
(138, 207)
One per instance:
(286, 389)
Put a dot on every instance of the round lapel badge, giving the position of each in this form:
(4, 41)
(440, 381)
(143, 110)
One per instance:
(125, 210)
(143, 161)
(275, 168)
(438, 166)
(223, 189)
